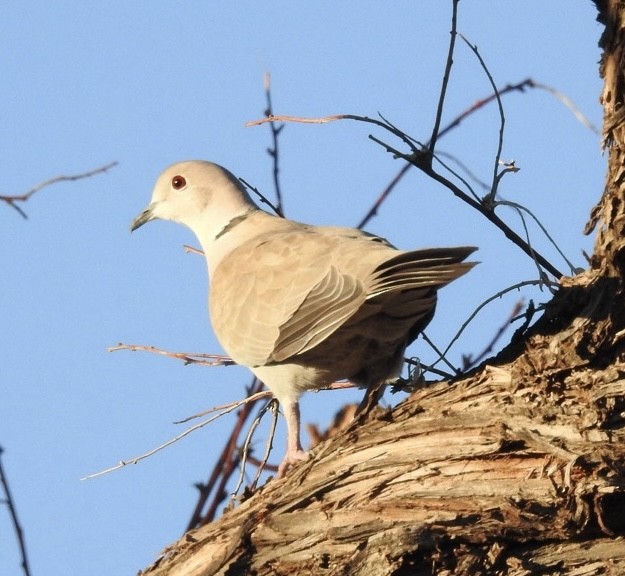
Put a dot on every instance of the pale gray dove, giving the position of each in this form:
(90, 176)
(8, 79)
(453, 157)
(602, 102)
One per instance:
(302, 306)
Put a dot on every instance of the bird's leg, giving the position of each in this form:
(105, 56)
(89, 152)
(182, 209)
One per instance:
(294, 452)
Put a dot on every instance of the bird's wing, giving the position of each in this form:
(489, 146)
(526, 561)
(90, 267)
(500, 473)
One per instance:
(280, 295)
(402, 292)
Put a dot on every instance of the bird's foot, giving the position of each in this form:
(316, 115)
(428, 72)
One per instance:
(290, 458)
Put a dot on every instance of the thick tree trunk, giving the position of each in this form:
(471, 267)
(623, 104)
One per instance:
(495, 474)
(518, 469)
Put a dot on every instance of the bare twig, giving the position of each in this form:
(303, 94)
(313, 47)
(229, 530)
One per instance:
(539, 270)
(579, 115)
(489, 199)
(13, 512)
(478, 104)
(448, 65)
(470, 174)
(469, 361)
(186, 357)
(441, 358)
(521, 208)
(273, 150)
(248, 439)
(366, 119)
(13, 200)
(485, 303)
(192, 250)
(260, 466)
(456, 174)
(382, 197)
(235, 404)
(262, 197)
(123, 463)
(298, 119)
(224, 467)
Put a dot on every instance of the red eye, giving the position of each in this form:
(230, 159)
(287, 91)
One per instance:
(178, 182)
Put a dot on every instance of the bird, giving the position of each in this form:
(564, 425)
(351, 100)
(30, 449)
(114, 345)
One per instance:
(302, 306)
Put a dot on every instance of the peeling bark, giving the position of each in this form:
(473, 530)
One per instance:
(495, 482)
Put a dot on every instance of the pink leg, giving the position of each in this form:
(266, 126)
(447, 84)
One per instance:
(294, 452)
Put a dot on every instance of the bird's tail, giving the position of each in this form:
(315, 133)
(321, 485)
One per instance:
(430, 268)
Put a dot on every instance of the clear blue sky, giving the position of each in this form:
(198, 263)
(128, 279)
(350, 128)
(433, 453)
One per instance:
(151, 83)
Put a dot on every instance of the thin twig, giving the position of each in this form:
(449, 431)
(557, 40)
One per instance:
(13, 512)
(569, 104)
(268, 446)
(366, 119)
(502, 123)
(224, 467)
(274, 151)
(248, 439)
(236, 404)
(13, 200)
(544, 230)
(261, 197)
(186, 357)
(448, 65)
(298, 119)
(470, 174)
(382, 197)
(469, 362)
(477, 105)
(441, 357)
(262, 464)
(459, 177)
(539, 270)
(485, 303)
(192, 250)
(136, 459)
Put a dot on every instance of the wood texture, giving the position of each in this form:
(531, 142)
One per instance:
(492, 471)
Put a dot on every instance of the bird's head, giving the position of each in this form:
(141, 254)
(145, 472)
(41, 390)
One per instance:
(199, 194)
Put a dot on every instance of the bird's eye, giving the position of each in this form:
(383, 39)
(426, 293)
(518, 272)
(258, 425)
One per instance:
(178, 182)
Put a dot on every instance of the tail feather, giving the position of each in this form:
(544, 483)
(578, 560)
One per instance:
(429, 268)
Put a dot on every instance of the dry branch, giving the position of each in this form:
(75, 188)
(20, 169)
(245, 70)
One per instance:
(14, 200)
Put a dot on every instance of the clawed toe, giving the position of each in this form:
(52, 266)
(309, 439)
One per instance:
(291, 458)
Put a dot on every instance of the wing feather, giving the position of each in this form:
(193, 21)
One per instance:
(284, 292)
(278, 296)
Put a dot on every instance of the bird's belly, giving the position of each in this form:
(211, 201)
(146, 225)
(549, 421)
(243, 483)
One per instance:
(288, 381)
(363, 362)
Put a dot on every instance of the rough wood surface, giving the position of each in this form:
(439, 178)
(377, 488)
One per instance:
(452, 470)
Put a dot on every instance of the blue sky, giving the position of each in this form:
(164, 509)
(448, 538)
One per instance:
(151, 83)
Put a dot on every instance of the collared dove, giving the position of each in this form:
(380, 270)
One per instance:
(302, 306)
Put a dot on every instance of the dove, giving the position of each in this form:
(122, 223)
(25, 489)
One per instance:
(302, 306)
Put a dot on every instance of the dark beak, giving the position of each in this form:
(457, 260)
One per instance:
(140, 220)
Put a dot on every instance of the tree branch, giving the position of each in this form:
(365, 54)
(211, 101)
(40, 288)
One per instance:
(13, 200)
(13, 513)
